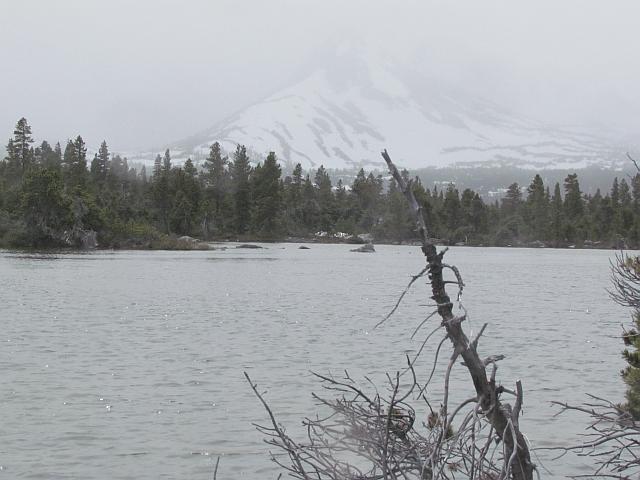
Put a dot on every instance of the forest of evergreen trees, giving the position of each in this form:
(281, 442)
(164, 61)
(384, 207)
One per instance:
(52, 196)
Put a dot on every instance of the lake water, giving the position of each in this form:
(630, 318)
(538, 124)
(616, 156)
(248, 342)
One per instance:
(128, 365)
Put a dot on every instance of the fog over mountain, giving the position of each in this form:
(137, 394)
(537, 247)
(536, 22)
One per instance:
(436, 82)
(343, 113)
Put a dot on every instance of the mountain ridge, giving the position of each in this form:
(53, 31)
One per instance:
(342, 115)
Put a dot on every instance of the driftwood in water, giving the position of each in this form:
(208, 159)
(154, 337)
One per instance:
(381, 433)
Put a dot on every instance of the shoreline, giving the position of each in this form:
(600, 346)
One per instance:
(210, 245)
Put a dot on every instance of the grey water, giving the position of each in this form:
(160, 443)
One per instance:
(129, 365)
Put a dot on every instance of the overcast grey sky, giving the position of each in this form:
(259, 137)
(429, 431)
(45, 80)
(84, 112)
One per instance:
(142, 73)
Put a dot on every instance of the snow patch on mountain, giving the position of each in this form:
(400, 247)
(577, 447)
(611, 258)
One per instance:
(343, 116)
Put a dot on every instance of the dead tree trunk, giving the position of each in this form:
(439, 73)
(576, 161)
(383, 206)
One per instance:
(372, 435)
(502, 417)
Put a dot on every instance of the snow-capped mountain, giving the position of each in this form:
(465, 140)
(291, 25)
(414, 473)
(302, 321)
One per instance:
(343, 115)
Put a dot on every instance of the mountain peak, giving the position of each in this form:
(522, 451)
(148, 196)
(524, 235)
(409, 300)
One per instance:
(343, 114)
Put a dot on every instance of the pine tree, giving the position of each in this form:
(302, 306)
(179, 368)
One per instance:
(615, 194)
(57, 150)
(186, 201)
(359, 195)
(240, 172)
(296, 175)
(157, 167)
(512, 201)
(537, 211)
(44, 207)
(573, 209)
(467, 229)
(100, 164)
(293, 200)
(466, 200)
(118, 168)
(182, 213)
(190, 169)
(214, 166)
(479, 215)
(166, 161)
(616, 225)
(78, 166)
(635, 191)
(598, 216)
(73, 166)
(217, 180)
(367, 192)
(267, 198)
(191, 187)
(573, 204)
(68, 161)
(431, 205)
(344, 223)
(47, 156)
(161, 196)
(20, 154)
(310, 209)
(452, 211)
(397, 221)
(22, 141)
(625, 194)
(556, 227)
(325, 198)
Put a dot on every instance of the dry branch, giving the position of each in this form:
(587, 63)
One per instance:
(377, 434)
(612, 437)
(488, 396)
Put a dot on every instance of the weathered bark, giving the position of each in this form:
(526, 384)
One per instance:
(502, 417)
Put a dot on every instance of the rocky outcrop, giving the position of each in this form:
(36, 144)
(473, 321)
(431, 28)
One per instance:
(188, 239)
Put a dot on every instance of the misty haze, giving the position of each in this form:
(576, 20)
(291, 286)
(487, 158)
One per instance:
(356, 240)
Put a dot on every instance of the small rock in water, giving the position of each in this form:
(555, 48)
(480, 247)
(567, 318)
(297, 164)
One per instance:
(248, 245)
(368, 248)
(302, 247)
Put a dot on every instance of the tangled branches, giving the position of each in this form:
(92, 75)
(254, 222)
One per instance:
(380, 436)
(612, 439)
(396, 434)
(626, 281)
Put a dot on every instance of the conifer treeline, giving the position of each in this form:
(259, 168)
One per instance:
(48, 196)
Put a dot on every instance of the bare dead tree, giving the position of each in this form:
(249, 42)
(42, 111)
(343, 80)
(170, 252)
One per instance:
(503, 418)
(368, 434)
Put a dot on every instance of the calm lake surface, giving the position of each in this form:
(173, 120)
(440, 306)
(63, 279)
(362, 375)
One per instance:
(128, 365)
